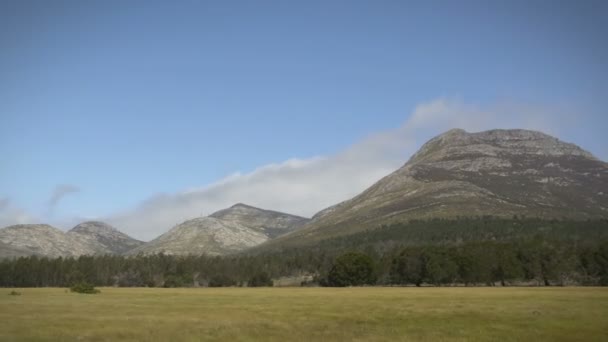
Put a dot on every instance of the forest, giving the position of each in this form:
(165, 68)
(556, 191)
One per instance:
(481, 251)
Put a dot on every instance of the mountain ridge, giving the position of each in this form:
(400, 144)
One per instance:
(87, 238)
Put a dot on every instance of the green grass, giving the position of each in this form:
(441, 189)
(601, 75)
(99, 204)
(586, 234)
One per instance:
(306, 314)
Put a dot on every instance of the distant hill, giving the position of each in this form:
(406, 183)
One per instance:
(227, 231)
(500, 173)
(87, 238)
(104, 238)
(43, 240)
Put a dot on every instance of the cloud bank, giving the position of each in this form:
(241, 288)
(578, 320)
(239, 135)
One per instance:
(305, 186)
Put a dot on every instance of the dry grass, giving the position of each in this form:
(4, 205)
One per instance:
(305, 314)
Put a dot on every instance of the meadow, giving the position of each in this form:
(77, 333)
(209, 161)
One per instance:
(306, 314)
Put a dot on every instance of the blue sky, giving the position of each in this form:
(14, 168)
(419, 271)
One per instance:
(126, 102)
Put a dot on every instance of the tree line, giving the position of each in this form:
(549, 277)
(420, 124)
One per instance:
(481, 251)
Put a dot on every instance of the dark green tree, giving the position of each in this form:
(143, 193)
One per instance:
(352, 269)
(407, 268)
(260, 279)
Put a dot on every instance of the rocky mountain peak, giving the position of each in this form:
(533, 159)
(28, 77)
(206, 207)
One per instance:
(494, 143)
(243, 206)
(93, 227)
(104, 238)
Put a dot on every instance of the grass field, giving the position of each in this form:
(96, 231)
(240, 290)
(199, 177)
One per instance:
(306, 314)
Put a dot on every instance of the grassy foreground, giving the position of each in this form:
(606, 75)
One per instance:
(304, 314)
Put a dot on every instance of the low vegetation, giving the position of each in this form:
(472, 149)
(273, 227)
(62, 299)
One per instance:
(308, 314)
(84, 288)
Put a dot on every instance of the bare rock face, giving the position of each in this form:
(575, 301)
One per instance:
(103, 238)
(204, 235)
(88, 238)
(9, 251)
(497, 172)
(268, 222)
(226, 231)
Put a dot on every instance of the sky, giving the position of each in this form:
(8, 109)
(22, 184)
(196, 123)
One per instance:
(147, 113)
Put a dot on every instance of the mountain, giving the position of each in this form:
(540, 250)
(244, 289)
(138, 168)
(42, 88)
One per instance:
(268, 222)
(104, 238)
(87, 238)
(226, 231)
(498, 172)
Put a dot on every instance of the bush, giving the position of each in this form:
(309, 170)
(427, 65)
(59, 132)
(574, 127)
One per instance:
(83, 287)
(259, 280)
(351, 269)
(221, 281)
(14, 293)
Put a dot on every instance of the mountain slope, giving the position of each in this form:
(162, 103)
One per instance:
(9, 251)
(498, 172)
(204, 235)
(42, 240)
(103, 238)
(268, 222)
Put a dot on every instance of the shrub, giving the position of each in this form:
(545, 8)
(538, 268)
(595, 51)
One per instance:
(14, 293)
(175, 280)
(85, 288)
(221, 281)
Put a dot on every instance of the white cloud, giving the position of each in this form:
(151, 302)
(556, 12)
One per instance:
(305, 186)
